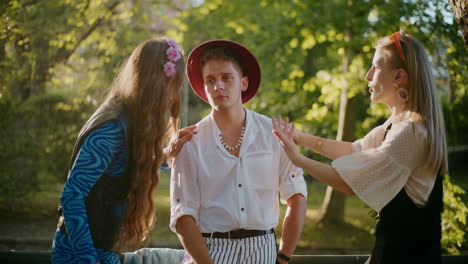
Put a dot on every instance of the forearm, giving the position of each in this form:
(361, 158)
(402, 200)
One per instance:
(329, 148)
(325, 173)
(192, 240)
(78, 232)
(292, 224)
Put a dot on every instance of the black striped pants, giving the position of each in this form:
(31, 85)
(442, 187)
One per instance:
(252, 250)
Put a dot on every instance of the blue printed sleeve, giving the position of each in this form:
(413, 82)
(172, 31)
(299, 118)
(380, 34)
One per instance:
(92, 161)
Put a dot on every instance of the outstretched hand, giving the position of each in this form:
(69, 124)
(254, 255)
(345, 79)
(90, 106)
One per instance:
(174, 146)
(285, 132)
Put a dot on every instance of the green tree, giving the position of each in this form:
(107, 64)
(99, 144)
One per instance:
(35, 37)
(57, 59)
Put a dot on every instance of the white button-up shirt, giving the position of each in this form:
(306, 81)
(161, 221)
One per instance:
(223, 192)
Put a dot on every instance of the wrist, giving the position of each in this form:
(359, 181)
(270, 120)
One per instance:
(298, 138)
(318, 147)
(280, 261)
(300, 160)
(283, 258)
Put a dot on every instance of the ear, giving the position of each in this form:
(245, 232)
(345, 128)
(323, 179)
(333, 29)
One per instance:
(400, 77)
(244, 83)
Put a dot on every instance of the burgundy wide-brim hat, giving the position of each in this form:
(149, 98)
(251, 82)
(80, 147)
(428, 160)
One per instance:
(247, 60)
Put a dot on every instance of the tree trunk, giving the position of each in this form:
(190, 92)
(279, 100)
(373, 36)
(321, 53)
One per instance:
(332, 210)
(460, 10)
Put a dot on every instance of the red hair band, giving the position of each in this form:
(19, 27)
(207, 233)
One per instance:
(395, 37)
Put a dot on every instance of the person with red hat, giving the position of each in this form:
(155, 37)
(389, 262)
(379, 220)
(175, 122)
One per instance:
(225, 181)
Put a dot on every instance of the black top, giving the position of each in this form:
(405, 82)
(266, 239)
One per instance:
(406, 233)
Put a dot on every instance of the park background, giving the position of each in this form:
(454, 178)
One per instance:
(58, 58)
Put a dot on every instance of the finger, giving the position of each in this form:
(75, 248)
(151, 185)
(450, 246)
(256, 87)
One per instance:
(181, 141)
(279, 138)
(285, 124)
(279, 122)
(279, 132)
(184, 132)
(185, 139)
(187, 133)
(192, 129)
(291, 130)
(188, 129)
(274, 122)
(284, 141)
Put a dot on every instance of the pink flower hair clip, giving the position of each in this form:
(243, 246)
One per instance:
(173, 55)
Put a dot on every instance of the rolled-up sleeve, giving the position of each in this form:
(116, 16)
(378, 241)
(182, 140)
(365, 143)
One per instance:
(291, 179)
(376, 175)
(185, 192)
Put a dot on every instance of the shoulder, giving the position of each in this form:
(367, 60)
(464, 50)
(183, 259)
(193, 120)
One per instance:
(203, 128)
(110, 130)
(408, 131)
(204, 125)
(416, 129)
(264, 122)
(109, 127)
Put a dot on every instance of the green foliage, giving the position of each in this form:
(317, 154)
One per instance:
(44, 129)
(57, 59)
(453, 218)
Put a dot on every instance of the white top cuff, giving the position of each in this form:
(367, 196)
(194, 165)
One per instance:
(180, 211)
(373, 176)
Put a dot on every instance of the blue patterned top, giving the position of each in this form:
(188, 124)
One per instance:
(103, 152)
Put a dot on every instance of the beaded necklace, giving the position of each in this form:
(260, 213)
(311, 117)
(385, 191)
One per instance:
(239, 142)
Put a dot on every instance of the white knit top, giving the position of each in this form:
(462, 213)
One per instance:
(377, 170)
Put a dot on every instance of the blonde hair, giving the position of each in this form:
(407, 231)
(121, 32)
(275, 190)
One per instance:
(151, 101)
(423, 103)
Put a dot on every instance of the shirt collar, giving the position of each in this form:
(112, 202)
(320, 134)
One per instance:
(251, 130)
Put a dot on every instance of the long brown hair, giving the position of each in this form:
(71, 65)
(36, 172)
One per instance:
(424, 102)
(151, 102)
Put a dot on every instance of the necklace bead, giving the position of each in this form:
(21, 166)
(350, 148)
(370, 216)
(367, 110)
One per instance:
(237, 145)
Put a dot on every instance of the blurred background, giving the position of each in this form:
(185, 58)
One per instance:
(58, 58)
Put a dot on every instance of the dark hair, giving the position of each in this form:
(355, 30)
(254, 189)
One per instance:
(220, 53)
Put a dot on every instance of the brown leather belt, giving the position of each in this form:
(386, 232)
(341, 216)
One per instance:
(238, 234)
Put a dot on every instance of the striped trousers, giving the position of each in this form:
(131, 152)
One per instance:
(252, 250)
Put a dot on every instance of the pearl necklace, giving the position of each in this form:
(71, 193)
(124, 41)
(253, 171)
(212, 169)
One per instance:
(239, 142)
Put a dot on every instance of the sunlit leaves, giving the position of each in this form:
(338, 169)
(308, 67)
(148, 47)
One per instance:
(57, 60)
(454, 217)
(308, 42)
